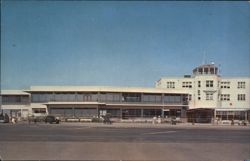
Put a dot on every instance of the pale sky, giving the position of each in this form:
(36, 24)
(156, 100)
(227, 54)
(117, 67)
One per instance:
(112, 43)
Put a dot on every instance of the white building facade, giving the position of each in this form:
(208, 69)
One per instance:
(212, 96)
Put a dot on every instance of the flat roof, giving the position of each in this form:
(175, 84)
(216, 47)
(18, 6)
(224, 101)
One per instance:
(115, 104)
(103, 89)
(14, 92)
(74, 103)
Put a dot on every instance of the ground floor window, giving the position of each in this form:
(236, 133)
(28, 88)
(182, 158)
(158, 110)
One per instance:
(230, 115)
(200, 115)
(152, 112)
(83, 112)
(39, 110)
(131, 113)
(113, 112)
(74, 112)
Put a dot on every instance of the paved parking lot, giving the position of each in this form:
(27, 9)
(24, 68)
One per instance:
(74, 141)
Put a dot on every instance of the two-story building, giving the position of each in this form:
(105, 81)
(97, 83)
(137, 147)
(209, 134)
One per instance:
(87, 101)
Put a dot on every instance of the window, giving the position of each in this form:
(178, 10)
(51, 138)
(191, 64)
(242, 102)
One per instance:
(199, 83)
(225, 85)
(189, 97)
(170, 84)
(110, 97)
(172, 99)
(241, 84)
(241, 97)
(39, 110)
(209, 83)
(131, 97)
(42, 97)
(199, 92)
(61, 96)
(225, 97)
(186, 84)
(209, 96)
(205, 70)
(15, 99)
(152, 98)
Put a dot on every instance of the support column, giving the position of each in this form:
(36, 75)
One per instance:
(97, 110)
(162, 98)
(98, 97)
(215, 115)
(121, 113)
(245, 115)
(142, 113)
(76, 97)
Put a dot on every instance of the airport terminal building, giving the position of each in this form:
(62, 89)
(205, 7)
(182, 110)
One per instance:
(201, 97)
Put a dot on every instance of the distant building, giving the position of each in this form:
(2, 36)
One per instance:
(210, 95)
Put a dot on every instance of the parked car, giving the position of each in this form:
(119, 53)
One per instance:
(51, 119)
(4, 118)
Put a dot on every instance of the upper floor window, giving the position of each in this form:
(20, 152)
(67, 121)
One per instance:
(241, 84)
(186, 84)
(170, 84)
(225, 97)
(209, 83)
(209, 96)
(131, 97)
(224, 84)
(152, 98)
(241, 97)
(199, 83)
(15, 99)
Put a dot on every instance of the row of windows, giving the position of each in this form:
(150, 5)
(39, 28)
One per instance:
(106, 97)
(224, 97)
(186, 84)
(15, 99)
(241, 84)
(224, 84)
(209, 83)
(206, 71)
(170, 84)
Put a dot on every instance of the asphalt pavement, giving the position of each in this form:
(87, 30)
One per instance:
(78, 141)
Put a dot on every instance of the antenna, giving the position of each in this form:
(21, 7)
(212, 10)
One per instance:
(219, 69)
